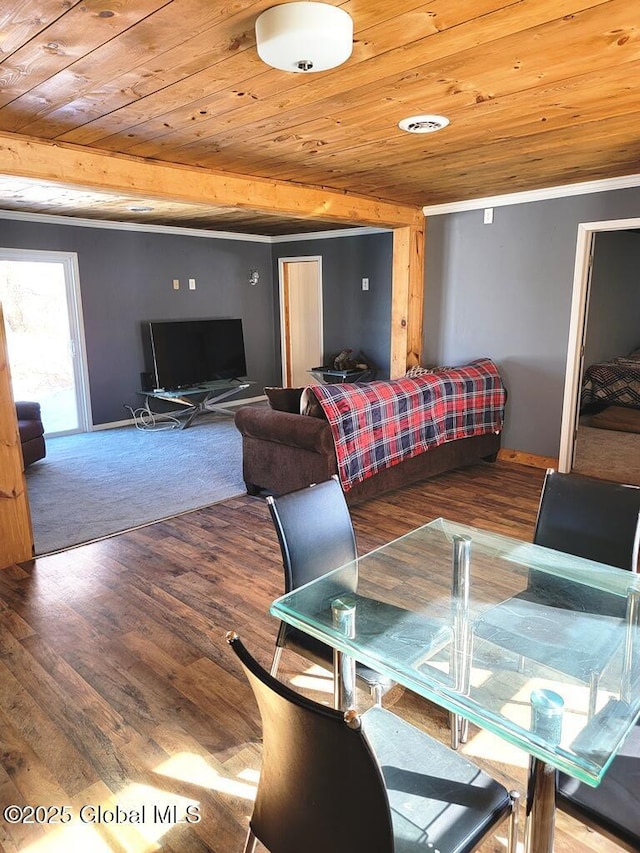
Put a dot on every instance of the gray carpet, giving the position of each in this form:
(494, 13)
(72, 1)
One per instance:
(94, 484)
(608, 454)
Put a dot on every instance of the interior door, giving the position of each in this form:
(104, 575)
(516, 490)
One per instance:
(301, 318)
(41, 302)
(583, 337)
(575, 350)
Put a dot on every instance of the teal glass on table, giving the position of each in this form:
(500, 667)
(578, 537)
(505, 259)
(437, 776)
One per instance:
(537, 646)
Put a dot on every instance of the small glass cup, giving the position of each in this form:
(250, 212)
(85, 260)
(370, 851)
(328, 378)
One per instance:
(547, 708)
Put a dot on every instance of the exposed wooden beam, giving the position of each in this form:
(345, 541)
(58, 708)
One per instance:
(407, 298)
(415, 301)
(16, 537)
(73, 166)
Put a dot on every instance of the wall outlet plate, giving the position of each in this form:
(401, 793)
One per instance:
(365, 284)
(176, 284)
(192, 284)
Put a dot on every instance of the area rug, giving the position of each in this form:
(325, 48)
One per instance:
(608, 455)
(99, 483)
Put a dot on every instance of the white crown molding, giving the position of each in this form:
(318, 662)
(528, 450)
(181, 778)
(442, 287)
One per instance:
(58, 219)
(585, 188)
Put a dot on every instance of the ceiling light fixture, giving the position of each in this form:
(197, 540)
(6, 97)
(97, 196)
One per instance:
(304, 36)
(423, 124)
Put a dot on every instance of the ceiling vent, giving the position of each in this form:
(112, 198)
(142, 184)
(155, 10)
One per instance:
(423, 124)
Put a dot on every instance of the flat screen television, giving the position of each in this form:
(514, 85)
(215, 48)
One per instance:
(183, 353)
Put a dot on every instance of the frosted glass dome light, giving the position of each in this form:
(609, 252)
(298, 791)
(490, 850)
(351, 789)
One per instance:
(303, 37)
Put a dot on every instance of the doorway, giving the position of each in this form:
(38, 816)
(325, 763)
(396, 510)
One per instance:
(578, 331)
(40, 295)
(300, 318)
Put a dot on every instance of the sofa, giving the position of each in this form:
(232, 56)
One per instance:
(290, 444)
(31, 431)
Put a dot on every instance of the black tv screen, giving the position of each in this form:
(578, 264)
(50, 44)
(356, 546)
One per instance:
(182, 353)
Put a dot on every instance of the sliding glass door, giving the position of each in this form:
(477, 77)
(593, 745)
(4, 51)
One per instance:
(40, 297)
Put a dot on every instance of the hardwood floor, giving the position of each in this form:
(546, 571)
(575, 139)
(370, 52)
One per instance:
(117, 687)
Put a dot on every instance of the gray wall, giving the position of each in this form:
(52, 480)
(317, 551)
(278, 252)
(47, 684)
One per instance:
(501, 290)
(613, 324)
(504, 290)
(126, 278)
(353, 318)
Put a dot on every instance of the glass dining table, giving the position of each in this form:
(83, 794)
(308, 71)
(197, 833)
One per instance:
(536, 646)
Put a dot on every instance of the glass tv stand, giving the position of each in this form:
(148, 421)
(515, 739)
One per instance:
(197, 400)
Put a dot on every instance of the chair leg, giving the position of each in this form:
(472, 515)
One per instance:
(376, 694)
(275, 663)
(512, 843)
(250, 843)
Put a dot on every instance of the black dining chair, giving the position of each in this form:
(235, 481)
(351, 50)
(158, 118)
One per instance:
(591, 518)
(316, 536)
(612, 808)
(341, 782)
(595, 519)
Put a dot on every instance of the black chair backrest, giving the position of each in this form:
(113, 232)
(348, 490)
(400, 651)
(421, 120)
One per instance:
(590, 518)
(320, 786)
(314, 530)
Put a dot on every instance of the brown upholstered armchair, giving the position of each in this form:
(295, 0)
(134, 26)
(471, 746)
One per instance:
(31, 430)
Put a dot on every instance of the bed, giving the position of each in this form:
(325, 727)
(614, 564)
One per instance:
(612, 383)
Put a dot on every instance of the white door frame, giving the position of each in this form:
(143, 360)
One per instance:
(69, 261)
(284, 357)
(577, 326)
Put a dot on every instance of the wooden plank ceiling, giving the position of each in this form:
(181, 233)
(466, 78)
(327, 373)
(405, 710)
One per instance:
(538, 92)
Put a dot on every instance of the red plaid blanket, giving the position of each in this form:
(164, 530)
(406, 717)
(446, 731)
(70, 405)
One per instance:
(378, 424)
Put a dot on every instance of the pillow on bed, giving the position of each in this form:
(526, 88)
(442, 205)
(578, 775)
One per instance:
(284, 399)
(633, 363)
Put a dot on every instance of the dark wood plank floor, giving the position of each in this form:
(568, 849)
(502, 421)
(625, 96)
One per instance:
(118, 691)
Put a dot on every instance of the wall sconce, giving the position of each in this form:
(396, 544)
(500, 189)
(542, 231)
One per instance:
(254, 277)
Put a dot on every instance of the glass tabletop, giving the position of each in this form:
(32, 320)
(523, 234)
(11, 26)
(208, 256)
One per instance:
(534, 645)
